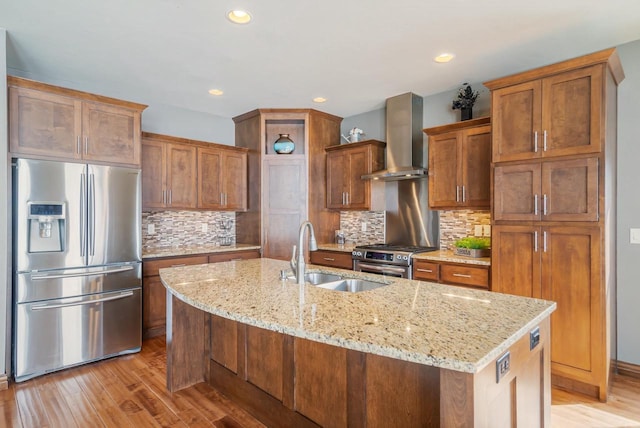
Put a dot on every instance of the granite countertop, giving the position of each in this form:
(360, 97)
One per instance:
(191, 250)
(449, 256)
(346, 248)
(448, 327)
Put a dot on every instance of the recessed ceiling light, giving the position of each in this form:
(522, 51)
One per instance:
(239, 16)
(444, 57)
(319, 100)
(215, 92)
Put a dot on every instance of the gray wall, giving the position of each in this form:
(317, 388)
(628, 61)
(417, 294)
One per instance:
(437, 111)
(5, 230)
(629, 204)
(168, 120)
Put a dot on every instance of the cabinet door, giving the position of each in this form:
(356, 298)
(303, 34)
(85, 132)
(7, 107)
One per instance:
(516, 121)
(235, 180)
(358, 194)
(181, 176)
(444, 161)
(337, 177)
(476, 167)
(515, 260)
(571, 112)
(111, 134)
(570, 190)
(516, 194)
(44, 124)
(571, 266)
(154, 307)
(210, 166)
(153, 174)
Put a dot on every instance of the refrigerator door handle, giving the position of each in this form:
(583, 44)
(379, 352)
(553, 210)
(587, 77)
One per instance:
(83, 225)
(38, 277)
(81, 302)
(91, 216)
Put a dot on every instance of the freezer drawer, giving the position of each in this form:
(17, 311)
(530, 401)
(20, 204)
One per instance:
(55, 334)
(58, 284)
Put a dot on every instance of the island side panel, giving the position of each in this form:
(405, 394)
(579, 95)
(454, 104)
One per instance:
(187, 344)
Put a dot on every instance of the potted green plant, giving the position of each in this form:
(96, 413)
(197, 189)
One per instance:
(464, 101)
(472, 246)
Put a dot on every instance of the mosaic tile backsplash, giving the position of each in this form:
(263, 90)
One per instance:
(351, 225)
(458, 224)
(182, 228)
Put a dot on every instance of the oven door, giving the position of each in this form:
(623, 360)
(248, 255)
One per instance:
(382, 269)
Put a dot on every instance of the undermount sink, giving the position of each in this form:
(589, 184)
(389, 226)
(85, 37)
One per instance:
(338, 283)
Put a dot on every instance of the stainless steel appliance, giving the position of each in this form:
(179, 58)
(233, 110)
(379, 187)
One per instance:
(385, 259)
(77, 264)
(409, 221)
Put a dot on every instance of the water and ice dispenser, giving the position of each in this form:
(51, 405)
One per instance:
(46, 226)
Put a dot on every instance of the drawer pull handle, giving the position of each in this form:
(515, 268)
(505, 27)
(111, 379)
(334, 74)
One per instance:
(182, 264)
(462, 275)
(425, 270)
(329, 259)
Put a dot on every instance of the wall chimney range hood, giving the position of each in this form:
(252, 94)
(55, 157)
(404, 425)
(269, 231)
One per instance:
(405, 152)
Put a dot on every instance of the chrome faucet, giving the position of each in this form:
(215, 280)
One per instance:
(297, 259)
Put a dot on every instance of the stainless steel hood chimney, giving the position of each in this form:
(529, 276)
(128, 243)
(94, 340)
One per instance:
(405, 147)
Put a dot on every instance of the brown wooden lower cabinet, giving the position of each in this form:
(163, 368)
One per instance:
(336, 259)
(287, 381)
(154, 300)
(476, 276)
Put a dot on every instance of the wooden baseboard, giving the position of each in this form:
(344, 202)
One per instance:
(573, 385)
(4, 382)
(626, 369)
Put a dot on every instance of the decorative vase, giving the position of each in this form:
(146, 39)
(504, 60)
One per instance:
(284, 145)
(466, 113)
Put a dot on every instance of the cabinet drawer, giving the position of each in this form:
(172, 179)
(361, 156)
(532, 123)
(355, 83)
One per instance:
(234, 255)
(151, 268)
(426, 270)
(335, 259)
(465, 275)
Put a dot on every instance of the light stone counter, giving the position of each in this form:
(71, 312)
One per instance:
(346, 248)
(449, 256)
(190, 250)
(438, 325)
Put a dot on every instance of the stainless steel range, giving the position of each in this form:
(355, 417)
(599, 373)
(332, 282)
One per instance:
(386, 259)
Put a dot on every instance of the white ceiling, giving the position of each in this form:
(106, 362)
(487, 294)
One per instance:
(355, 53)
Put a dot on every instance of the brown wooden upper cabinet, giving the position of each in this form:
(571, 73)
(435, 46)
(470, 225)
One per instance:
(47, 121)
(222, 179)
(345, 165)
(558, 115)
(460, 165)
(179, 173)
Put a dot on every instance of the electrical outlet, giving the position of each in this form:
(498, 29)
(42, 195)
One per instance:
(486, 229)
(363, 226)
(503, 365)
(634, 236)
(478, 230)
(205, 227)
(534, 338)
(151, 229)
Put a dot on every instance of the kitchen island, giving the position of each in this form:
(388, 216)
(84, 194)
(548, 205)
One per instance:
(410, 353)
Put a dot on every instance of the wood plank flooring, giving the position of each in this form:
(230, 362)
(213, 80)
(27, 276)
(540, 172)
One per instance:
(130, 391)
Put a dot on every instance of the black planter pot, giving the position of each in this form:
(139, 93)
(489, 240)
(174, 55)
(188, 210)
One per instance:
(466, 113)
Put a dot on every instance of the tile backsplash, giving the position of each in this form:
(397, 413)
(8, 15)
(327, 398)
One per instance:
(458, 224)
(351, 224)
(180, 228)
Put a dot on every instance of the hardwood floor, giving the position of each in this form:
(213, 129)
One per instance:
(130, 391)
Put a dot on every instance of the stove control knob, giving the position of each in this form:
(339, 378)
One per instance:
(353, 253)
(405, 257)
(398, 257)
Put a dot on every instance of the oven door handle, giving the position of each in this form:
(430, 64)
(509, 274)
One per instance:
(381, 269)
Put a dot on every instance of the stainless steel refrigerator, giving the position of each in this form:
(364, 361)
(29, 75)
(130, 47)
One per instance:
(77, 264)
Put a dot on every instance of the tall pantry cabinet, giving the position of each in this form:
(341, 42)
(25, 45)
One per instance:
(553, 213)
(286, 189)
